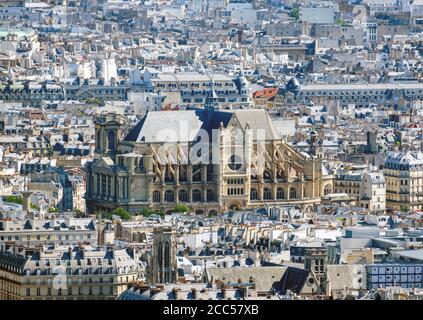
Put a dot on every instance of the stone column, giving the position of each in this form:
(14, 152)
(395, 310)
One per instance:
(177, 174)
(260, 189)
(162, 195)
(101, 195)
(204, 173)
(189, 173)
(163, 175)
(204, 181)
(94, 191)
(288, 192)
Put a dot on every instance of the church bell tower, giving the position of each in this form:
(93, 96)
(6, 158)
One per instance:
(107, 134)
(163, 261)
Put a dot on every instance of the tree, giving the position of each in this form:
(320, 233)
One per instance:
(160, 213)
(404, 209)
(122, 213)
(52, 210)
(340, 22)
(79, 213)
(14, 199)
(104, 215)
(146, 212)
(295, 13)
(181, 208)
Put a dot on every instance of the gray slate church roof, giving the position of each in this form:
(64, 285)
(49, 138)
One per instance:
(184, 126)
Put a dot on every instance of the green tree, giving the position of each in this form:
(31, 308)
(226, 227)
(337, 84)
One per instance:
(160, 213)
(53, 210)
(79, 213)
(146, 212)
(295, 13)
(340, 22)
(104, 215)
(404, 209)
(181, 208)
(14, 199)
(122, 213)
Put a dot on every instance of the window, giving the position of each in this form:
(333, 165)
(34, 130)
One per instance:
(169, 196)
(196, 195)
(253, 194)
(103, 185)
(183, 196)
(293, 193)
(196, 173)
(327, 190)
(267, 194)
(98, 183)
(210, 195)
(156, 196)
(235, 163)
(280, 194)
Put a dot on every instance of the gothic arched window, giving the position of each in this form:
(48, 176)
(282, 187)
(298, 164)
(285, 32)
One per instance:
(169, 196)
(267, 194)
(280, 194)
(156, 196)
(183, 196)
(196, 195)
(327, 190)
(210, 195)
(293, 193)
(98, 139)
(253, 194)
(167, 255)
(235, 163)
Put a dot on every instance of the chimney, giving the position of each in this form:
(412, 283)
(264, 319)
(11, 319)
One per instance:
(194, 293)
(154, 291)
(81, 250)
(225, 293)
(178, 293)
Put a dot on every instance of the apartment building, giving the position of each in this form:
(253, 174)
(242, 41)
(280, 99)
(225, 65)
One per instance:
(404, 180)
(361, 94)
(30, 232)
(373, 191)
(66, 273)
(193, 88)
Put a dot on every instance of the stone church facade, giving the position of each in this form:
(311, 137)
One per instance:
(209, 159)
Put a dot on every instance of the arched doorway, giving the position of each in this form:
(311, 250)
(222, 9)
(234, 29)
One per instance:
(235, 206)
(212, 213)
(199, 212)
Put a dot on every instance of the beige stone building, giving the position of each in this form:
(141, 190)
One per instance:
(404, 181)
(209, 159)
(66, 273)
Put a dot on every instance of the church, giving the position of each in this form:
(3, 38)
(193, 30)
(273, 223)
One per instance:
(212, 160)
